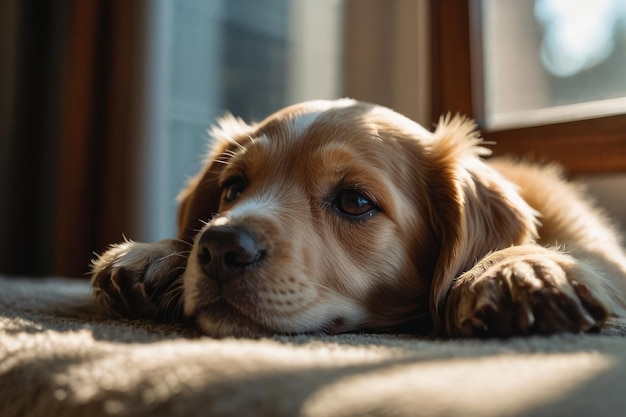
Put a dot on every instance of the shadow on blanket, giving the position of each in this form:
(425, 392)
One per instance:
(61, 356)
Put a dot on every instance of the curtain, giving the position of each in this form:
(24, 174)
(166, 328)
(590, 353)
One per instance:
(71, 125)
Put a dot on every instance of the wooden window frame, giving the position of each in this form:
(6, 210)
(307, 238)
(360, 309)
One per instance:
(590, 146)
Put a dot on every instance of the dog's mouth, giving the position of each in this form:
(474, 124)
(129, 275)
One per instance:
(223, 319)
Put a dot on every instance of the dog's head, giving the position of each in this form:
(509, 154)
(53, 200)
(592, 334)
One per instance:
(330, 216)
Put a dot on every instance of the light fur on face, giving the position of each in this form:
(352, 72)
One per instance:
(332, 216)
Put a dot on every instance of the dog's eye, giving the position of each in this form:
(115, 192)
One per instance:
(354, 204)
(232, 188)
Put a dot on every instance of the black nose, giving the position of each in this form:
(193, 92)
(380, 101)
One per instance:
(226, 251)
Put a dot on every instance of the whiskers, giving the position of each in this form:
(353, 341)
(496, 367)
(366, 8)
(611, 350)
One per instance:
(181, 254)
(170, 303)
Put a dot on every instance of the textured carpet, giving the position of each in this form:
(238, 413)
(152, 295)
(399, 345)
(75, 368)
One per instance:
(60, 357)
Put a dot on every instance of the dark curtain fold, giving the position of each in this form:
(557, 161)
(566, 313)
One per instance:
(70, 128)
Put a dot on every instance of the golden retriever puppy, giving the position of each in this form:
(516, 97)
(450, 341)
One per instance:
(334, 216)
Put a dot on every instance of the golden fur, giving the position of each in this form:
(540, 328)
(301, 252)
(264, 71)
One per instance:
(333, 216)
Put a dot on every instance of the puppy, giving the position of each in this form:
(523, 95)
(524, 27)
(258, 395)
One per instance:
(335, 216)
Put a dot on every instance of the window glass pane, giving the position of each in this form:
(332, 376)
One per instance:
(249, 57)
(546, 61)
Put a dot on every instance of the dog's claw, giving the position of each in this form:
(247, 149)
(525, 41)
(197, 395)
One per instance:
(534, 294)
(133, 284)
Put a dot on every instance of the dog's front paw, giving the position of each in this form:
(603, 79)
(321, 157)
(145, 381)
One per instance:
(528, 291)
(141, 280)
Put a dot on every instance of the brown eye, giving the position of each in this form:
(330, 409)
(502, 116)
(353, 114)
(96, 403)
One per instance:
(354, 205)
(232, 188)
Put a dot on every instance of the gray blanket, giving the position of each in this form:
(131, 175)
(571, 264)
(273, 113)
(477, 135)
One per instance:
(61, 357)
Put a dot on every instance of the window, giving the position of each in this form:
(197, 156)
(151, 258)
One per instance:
(546, 61)
(590, 141)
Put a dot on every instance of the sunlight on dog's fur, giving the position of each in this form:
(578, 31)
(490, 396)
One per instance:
(334, 216)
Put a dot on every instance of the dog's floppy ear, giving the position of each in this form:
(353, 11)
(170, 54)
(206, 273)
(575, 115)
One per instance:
(199, 200)
(474, 209)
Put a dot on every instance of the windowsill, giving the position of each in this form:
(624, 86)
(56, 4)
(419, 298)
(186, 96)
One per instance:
(558, 114)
